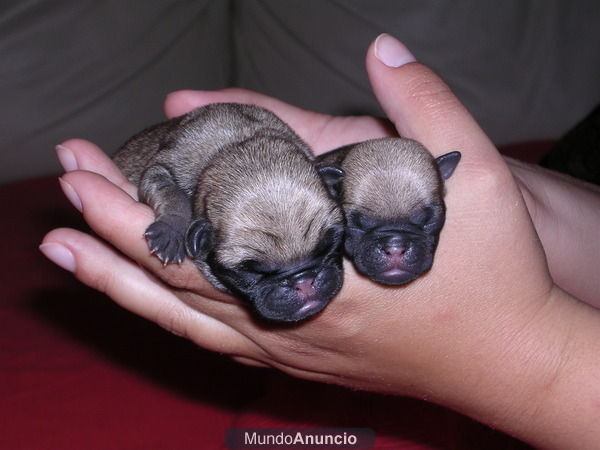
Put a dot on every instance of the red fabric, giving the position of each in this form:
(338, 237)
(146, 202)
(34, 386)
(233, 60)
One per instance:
(531, 152)
(78, 372)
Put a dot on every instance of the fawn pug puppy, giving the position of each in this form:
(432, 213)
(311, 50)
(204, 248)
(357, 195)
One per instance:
(237, 190)
(391, 191)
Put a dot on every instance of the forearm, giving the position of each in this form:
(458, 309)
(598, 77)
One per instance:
(566, 214)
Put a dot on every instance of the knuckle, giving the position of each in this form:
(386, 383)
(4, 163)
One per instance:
(430, 92)
(490, 178)
(174, 319)
(103, 281)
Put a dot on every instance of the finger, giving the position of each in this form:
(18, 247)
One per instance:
(102, 268)
(321, 131)
(180, 102)
(306, 123)
(422, 106)
(79, 154)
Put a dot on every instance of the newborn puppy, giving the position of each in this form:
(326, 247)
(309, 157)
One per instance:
(391, 190)
(234, 187)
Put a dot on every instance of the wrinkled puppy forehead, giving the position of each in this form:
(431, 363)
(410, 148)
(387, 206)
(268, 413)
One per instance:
(279, 235)
(388, 152)
(390, 194)
(390, 177)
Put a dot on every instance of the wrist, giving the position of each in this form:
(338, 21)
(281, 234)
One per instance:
(561, 208)
(537, 383)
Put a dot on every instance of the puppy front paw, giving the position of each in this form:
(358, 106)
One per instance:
(166, 239)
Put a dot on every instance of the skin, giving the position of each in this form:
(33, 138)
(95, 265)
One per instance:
(486, 332)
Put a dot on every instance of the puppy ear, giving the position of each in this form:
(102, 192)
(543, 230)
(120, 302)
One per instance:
(332, 176)
(199, 238)
(447, 163)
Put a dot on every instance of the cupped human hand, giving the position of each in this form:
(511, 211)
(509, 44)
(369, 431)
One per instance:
(487, 245)
(483, 315)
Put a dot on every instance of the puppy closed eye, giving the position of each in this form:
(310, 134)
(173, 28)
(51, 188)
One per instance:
(252, 266)
(429, 218)
(332, 240)
(422, 217)
(362, 222)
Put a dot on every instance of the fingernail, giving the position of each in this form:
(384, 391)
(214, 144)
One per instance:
(59, 255)
(71, 194)
(391, 52)
(66, 158)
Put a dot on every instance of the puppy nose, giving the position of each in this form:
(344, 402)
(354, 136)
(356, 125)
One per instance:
(303, 283)
(394, 250)
(305, 287)
(394, 245)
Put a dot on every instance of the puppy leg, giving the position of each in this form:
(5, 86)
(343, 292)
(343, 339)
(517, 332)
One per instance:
(173, 210)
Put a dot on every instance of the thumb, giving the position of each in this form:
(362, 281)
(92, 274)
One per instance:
(422, 106)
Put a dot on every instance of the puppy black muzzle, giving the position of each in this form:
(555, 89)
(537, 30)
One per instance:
(391, 255)
(292, 294)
